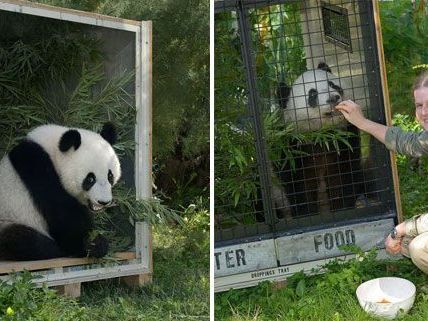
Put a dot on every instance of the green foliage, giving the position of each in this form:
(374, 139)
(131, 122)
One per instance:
(404, 46)
(412, 173)
(277, 38)
(237, 182)
(22, 301)
(35, 64)
(180, 289)
(180, 70)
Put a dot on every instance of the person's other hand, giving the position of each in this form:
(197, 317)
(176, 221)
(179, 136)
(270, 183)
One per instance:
(393, 246)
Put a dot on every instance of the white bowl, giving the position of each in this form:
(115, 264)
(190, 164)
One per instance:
(386, 297)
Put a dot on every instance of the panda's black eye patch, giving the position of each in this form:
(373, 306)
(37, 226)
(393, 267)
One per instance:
(313, 97)
(336, 87)
(89, 181)
(110, 177)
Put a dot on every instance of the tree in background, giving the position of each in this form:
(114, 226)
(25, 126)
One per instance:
(405, 36)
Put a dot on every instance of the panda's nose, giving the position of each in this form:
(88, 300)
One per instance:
(104, 203)
(334, 99)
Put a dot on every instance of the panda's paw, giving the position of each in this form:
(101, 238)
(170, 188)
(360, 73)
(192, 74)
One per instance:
(98, 247)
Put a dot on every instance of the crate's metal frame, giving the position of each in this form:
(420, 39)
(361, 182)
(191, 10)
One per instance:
(229, 248)
(73, 271)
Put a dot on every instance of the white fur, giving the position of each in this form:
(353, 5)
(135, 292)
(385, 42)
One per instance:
(16, 205)
(94, 155)
(309, 118)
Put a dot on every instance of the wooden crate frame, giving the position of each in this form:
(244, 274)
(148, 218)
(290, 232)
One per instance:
(136, 268)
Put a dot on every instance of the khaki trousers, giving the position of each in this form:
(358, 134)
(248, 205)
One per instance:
(417, 249)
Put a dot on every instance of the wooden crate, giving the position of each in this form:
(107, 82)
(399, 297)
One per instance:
(134, 267)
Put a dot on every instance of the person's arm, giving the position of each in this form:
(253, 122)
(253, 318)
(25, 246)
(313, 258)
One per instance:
(395, 139)
(393, 245)
(409, 228)
(407, 143)
(353, 113)
(415, 226)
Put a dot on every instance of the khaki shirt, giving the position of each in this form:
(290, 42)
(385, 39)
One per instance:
(413, 144)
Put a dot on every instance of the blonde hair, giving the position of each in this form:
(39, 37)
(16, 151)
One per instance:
(421, 81)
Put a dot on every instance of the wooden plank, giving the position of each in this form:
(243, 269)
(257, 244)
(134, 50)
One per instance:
(143, 137)
(102, 273)
(144, 100)
(43, 10)
(70, 290)
(15, 266)
(387, 104)
(244, 257)
(137, 280)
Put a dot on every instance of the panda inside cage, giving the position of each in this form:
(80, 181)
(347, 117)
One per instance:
(285, 159)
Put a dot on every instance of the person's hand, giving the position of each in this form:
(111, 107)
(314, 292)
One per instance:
(352, 112)
(393, 246)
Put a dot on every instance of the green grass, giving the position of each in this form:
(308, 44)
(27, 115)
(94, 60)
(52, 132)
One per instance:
(180, 289)
(325, 297)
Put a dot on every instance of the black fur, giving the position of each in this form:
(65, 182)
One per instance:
(19, 242)
(283, 92)
(70, 138)
(313, 97)
(342, 173)
(98, 247)
(324, 66)
(108, 132)
(313, 164)
(68, 221)
(336, 87)
(89, 181)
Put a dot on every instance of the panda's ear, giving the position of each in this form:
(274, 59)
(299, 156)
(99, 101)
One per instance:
(283, 94)
(323, 66)
(70, 138)
(109, 133)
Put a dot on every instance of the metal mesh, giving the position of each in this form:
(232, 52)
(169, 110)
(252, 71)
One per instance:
(284, 160)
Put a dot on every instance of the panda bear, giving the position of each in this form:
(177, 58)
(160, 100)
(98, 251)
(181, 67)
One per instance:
(322, 180)
(51, 184)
